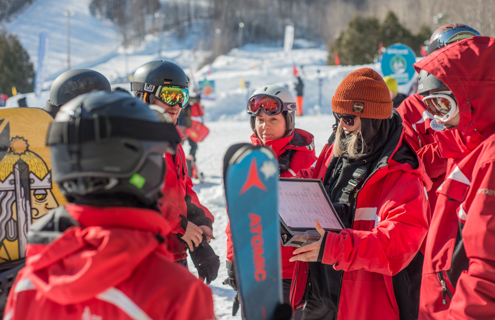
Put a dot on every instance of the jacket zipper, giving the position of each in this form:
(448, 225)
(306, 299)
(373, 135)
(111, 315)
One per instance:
(445, 289)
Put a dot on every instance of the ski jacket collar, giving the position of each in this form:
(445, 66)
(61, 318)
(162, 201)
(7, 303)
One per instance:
(467, 69)
(102, 252)
(299, 140)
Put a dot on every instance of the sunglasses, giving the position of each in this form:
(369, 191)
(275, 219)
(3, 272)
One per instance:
(348, 119)
(442, 105)
(172, 95)
(270, 105)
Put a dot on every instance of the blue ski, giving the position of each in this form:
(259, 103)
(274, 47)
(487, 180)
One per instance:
(251, 183)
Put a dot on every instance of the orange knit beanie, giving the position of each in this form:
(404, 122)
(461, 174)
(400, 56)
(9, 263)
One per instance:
(363, 93)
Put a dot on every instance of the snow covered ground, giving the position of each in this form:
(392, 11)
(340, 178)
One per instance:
(95, 46)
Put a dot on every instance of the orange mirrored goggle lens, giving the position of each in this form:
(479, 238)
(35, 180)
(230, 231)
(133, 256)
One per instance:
(437, 106)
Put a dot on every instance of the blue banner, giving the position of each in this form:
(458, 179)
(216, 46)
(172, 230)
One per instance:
(42, 61)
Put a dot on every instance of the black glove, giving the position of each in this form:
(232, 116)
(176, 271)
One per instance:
(206, 261)
(231, 279)
(283, 312)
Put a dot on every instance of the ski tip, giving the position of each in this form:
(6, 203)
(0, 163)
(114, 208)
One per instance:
(239, 151)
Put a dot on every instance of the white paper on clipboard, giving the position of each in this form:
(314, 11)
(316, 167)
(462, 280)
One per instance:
(302, 201)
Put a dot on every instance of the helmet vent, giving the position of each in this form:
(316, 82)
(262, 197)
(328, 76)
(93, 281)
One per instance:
(265, 88)
(277, 92)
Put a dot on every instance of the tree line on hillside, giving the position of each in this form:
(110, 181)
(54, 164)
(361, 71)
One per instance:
(230, 22)
(8, 7)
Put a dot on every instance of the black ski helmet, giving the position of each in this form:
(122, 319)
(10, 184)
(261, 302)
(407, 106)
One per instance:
(284, 95)
(106, 144)
(448, 34)
(73, 83)
(428, 82)
(151, 75)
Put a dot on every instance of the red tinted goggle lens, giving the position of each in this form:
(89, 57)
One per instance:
(347, 118)
(269, 105)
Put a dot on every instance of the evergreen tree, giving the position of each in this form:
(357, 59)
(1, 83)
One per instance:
(15, 67)
(359, 43)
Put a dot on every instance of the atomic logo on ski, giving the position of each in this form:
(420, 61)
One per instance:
(253, 179)
(257, 244)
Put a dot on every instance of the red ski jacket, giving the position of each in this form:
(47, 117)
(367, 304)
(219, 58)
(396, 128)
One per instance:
(459, 267)
(391, 220)
(419, 129)
(180, 203)
(294, 152)
(111, 266)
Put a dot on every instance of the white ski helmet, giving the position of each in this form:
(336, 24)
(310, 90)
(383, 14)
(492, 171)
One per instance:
(286, 98)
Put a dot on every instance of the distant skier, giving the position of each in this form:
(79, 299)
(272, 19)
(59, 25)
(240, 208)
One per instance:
(192, 222)
(392, 86)
(104, 255)
(73, 83)
(272, 111)
(299, 87)
(22, 102)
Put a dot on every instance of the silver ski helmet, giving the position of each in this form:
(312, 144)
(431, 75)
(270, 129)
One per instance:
(286, 98)
(73, 83)
(110, 144)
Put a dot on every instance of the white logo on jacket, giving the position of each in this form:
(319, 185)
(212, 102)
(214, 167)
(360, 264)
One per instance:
(88, 316)
(436, 126)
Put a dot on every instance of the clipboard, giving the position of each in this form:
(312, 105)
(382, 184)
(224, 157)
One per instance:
(301, 202)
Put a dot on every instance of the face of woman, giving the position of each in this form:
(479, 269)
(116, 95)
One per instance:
(349, 129)
(269, 128)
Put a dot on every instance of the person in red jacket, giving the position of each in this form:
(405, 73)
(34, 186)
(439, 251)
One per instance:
(104, 255)
(272, 111)
(165, 85)
(377, 185)
(420, 125)
(459, 269)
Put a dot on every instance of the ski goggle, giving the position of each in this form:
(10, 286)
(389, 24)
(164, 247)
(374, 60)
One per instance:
(441, 105)
(348, 119)
(451, 35)
(270, 105)
(173, 95)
